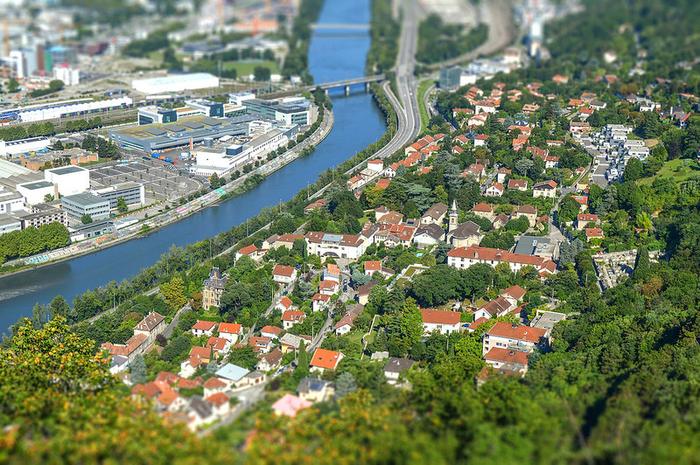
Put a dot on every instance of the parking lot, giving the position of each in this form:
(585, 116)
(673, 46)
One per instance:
(162, 181)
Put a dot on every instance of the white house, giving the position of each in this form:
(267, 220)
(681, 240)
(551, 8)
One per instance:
(506, 335)
(444, 322)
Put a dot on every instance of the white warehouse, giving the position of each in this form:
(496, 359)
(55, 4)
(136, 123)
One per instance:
(175, 83)
(70, 180)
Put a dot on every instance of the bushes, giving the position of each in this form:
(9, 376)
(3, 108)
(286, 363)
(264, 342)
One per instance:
(30, 241)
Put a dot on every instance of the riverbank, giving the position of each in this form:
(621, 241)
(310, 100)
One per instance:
(233, 188)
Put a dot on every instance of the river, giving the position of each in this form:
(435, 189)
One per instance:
(358, 123)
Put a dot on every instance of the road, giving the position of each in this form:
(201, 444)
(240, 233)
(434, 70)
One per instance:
(497, 14)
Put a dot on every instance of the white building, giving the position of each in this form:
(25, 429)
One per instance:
(56, 110)
(70, 180)
(10, 201)
(175, 83)
(442, 321)
(506, 335)
(350, 246)
(35, 192)
(69, 75)
(464, 257)
(11, 148)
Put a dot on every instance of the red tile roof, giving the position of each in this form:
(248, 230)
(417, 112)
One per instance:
(249, 249)
(498, 354)
(271, 330)
(440, 317)
(326, 359)
(518, 332)
(283, 270)
(293, 315)
(204, 325)
(499, 255)
(230, 328)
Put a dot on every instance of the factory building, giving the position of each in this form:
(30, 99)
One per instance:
(35, 192)
(86, 204)
(56, 110)
(70, 180)
(154, 114)
(175, 83)
(290, 111)
(12, 148)
(132, 193)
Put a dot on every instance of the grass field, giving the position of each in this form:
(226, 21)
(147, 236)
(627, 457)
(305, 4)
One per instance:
(423, 87)
(679, 170)
(246, 67)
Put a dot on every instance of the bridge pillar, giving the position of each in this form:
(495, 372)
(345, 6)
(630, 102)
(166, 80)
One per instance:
(366, 86)
(325, 91)
(347, 90)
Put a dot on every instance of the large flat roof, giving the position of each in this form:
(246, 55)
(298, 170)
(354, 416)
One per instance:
(84, 198)
(66, 170)
(7, 169)
(36, 185)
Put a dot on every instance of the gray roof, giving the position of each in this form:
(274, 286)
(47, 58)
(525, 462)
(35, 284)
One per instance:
(7, 220)
(532, 245)
(311, 385)
(150, 321)
(436, 211)
(432, 230)
(398, 365)
(37, 185)
(67, 170)
(200, 407)
(466, 229)
(85, 198)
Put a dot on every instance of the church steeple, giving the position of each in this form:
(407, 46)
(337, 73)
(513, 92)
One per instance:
(453, 217)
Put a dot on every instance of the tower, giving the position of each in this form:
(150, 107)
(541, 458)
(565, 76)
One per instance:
(453, 217)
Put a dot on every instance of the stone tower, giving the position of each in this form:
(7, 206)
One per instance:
(453, 216)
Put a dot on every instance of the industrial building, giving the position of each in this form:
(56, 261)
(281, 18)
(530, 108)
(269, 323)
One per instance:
(86, 204)
(92, 230)
(175, 83)
(12, 148)
(42, 214)
(155, 114)
(55, 110)
(154, 137)
(9, 223)
(10, 201)
(35, 192)
(289, 111)
(70, 180)
(132, 193)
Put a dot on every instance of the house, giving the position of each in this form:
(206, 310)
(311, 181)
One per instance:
(500, 306)
(199, 357)
(250, 251)
(480, 140)
(289, 405)
(506, 335)
(231, 374)
(213, 288)
(444, 322)
(475, 170)
(315, 205)
(145, 333)
(582, 201)
(372, 266)
(363, 292)
(281, 240)
(464, 257)
(465, 234)
(593, 233)
(346, 322)
(545, 189)
(355, 182)
(393, 235)
(435, 214)
(214, 385)
(382, 184)
(560, 79)
(291, 318)
(494, 190)
(199, 413)
(329, 288)
(389, 217)
(284, 274)
(270, 361)
(514, 294)
(320, 302)
(218, 345)
(507, 360)
(502, 174)
(350, 246)
(331, 273)
(252, 379)
(477, 121)
(428, 235)
(272, 332)
(284, 304)
(204, 328)
(324, 359)
(517, 184)
(484, 210)
(500, 220)
(220, 404)
(529, 212)
(260, 344)
(474, 325)
(584, 219)
(230, 331)
(376, 165)
(290, 342)
(396, 367)
(315, 390)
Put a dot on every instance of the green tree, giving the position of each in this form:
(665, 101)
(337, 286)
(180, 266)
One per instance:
(86, 219)
(642, 265)
(59, 307)
(244, 357)
(344, 385)
(174, 292)
(121, 205)
(633, 170)
(12, 86)
(137, 369)
(404, 329)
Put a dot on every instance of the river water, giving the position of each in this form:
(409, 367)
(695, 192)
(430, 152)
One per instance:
(358, 122)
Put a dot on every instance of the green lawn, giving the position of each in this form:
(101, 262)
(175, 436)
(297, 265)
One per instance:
(424, 116)
(245, 67)
(680, 170)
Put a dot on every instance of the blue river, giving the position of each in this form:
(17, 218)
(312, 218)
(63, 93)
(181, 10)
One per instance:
(358, 123)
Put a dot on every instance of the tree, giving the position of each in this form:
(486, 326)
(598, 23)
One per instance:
(404, 329)
(642, 265)
(174, 292)
(138, 370)
(344, 385)
(86, 219)
(523, 166)
(261, 73)
(12, 86)
(53, 384)
(633, 170)
(59, 307)
(48, 198)
(244, 357)
(121, 205)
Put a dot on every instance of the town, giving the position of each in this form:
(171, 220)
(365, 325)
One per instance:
(479, 245)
